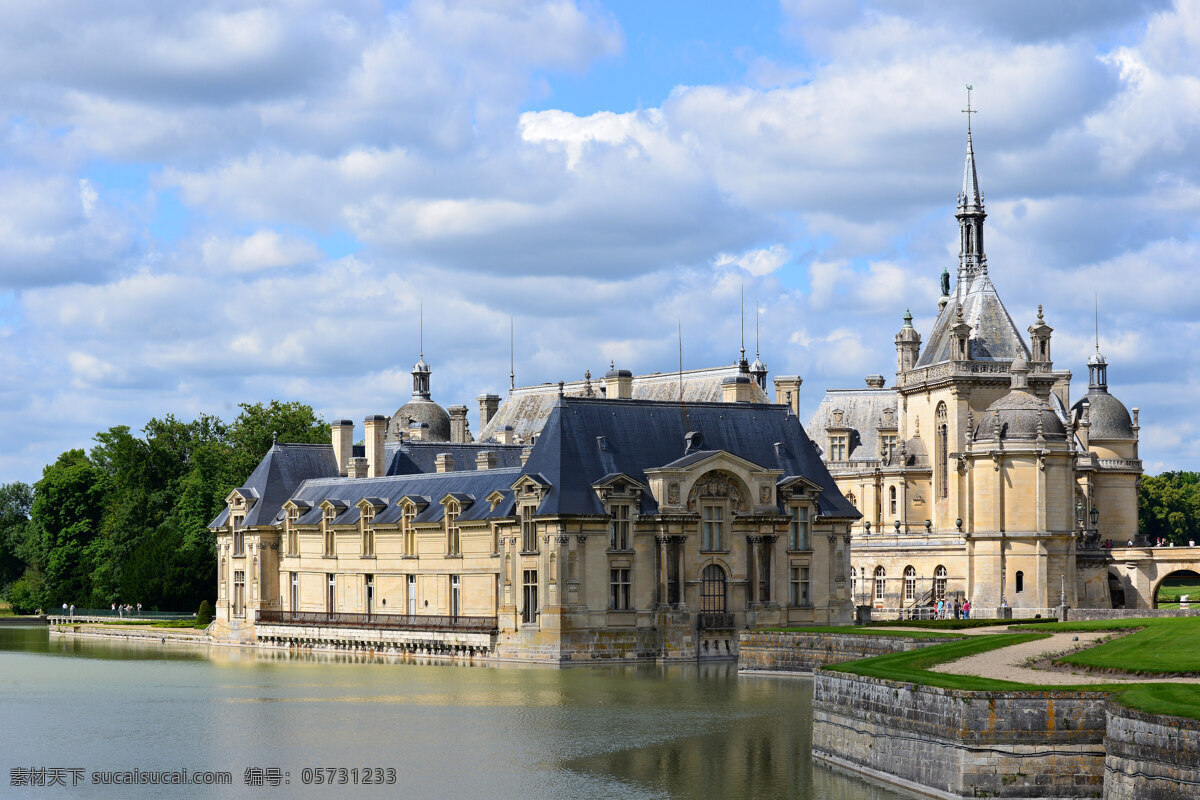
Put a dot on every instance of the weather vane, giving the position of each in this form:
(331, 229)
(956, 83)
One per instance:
(968, 110)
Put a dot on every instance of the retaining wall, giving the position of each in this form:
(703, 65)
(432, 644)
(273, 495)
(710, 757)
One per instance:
(767, 651)
(1082, 614)
(1151, 757)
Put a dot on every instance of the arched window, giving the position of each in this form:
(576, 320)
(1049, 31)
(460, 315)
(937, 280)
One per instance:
(892, 500)
(1020, 578)
(879, 584)
(712, 590)
(943, 451)
(910, 583)
(852, 499)
(939, 583)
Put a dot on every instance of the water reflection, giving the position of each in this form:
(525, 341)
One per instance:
(679, 731)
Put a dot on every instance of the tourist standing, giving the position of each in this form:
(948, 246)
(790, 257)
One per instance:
(966, 609)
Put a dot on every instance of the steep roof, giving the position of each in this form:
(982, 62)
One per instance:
(994, 336)
(586, 439)
(412, 458)
(527, 408)
(283, 468)
(862, 412)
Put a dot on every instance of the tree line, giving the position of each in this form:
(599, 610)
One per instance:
(126, 521)
(1169, 507)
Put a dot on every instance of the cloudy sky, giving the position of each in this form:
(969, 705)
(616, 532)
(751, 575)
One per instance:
(213, 202)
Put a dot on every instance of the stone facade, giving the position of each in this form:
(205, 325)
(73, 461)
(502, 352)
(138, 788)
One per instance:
(1151, 757)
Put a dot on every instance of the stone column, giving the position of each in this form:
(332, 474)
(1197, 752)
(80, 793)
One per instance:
(680, 541)
(752, 570)
(662, 568)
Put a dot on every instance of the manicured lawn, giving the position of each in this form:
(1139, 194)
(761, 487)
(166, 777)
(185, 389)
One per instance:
(872, 631)
(1163, 646)
(1174, 588)
(167, 623)
(958, 624)
(1175, 699)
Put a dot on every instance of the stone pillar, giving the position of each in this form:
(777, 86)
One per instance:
(488, 405)
(458, 424)
(752, 570)
(342, 437)
(680, 541)
(662, 568)
(374, 426)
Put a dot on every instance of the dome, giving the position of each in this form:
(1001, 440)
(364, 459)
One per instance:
(1018, 413)
(1097, 359)
(758, 365)
(1108, 416)
(422, 411)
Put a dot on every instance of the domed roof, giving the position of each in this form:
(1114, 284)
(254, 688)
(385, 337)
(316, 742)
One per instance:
(1108, 416)
(422, 411)
(758, 365)
(1018, 413)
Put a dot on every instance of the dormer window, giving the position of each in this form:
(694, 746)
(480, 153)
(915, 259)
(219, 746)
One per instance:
(453, 535)
(887, 446)
(367, 531)
(798, 532)
(618, 527)
(239, 534)
(290, 535)
(327, 532)
(837, 447)
(408, 529)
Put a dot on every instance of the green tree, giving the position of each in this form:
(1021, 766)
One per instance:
(67, 508)
(258, 425)
(1169, 507)
(16, 547)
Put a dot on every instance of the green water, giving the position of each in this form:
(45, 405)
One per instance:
(447, 731)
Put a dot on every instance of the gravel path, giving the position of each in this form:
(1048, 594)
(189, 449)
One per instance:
(1008, 663)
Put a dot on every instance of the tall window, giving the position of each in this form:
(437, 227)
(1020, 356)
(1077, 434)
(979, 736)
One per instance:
(452, 532)
(1020, 579)
(798, 538)
(239, 535)
(295, 598)
(239, 593)
(292, 537)
(368, 532)
(939, 583)
(892, 500)
(712, 590)
(943, 454)
(369, 593)
(327, 533)
(853, 582)
(330, 592)
(408, 529)
(880, 584)
(455, 595)
(529, 593)
(887, 446)
(618, 527)
(764, 573)
(712, 533)
(837, 448)
(618, 585)
(799, 587)
(529, 543)
(910, 583)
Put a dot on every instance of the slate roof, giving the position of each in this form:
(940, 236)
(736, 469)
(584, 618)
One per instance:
(862, 412)
(1108, 417)
(527, 408)
(283, 468)
(994, 336)
(412, 458)
(640, 435)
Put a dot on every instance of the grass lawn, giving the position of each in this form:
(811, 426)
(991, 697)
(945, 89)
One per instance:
(958, 624)
(1174, 588)
(6, 610)
(1163, 646)
(165, 623)
(871, 631)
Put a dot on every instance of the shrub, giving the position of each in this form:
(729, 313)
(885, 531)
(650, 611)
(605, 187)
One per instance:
(205, 614)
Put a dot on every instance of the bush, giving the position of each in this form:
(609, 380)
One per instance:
(25, 593)
(205, 614)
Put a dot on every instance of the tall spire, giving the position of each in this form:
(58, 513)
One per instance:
(743, 364)
(971, 258)
(421, 370)
(1098, 364)
(512, 355)
(758, 370)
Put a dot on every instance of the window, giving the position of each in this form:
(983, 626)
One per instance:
(1020, 577)
(291, 537)
(764, 573)
(618, 527)
(452, 532)
(368, 532)
(619, 589)
(295, 598)
(798, 538)
(887, 446)
(910, 583)
(239, 535)
(939, 583)
(408, 529)
(943, 454)
(800, 587)
(330, 592)
(327, 532)
(837, 448)
(853, 581)
(529, 610)
(880, 581)
(239, 593)
(369, 593)
(711, 529)
(529, 543)
(712, 590)
(892, 500)
(455, 596)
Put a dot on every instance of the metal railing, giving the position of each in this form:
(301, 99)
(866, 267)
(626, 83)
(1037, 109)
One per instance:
(410, 622)
(59, 611)
(710, 620)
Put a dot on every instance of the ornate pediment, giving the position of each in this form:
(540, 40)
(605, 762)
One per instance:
(718, 485)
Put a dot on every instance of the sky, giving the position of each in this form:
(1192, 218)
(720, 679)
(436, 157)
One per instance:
(217, 202)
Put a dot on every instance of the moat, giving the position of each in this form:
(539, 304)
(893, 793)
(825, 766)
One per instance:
(679, 731)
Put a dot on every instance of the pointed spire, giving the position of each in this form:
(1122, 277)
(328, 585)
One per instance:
(908, 318)
(512, 356)
(970, 198)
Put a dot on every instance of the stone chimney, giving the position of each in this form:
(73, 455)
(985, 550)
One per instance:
(876, 382)
(488, 405)
(358, 467)
(458, 424)
(485, 459)
(526, 452)
(418, 431)
(618, 384)
(444, 461)
(787, 391)
(737, 389)
(374, 428)
(342, 437)
(505, 435)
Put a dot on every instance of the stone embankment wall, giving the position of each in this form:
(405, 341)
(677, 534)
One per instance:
(1083, 614)
(956, 744)
(1151, 757)
(766, 651)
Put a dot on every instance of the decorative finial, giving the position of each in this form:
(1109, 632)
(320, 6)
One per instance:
(742, 359)
(968, 110)
(756, 356)
(587, 383)
(512, 355)
(1040, 317)
(560, 388)
(612, 364)
(421, 330)
(274, 438)
(958, 313)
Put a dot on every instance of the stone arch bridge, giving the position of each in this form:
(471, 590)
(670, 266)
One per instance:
(1129, 576)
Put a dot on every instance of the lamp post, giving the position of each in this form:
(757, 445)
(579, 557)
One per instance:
(1062, 599)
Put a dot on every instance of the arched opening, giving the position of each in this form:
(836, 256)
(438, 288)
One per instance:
(1116, 591)
(1177, 585)
(712, 590)
(880, 581)
(910, 583)
(939, 583)
(943, 451)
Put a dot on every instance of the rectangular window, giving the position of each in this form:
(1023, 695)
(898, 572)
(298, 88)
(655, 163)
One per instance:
(618, 528)
(619, 589)
(239, 536)
(407, 515)
(712, 534)
(529, 542)
(412, 595)
(295, 598)
(368, 533)
(239, 593)
(837, 448)
(887, 446)
(330, 592)
(910, 584)
(292, 538)
(369, 593)
(800, 587)
(452, 533)
(529, 610)
(798, 538)
(455, 596)
(328, 534)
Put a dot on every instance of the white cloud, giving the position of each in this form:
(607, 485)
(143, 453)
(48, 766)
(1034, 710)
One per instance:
(759, 262)
(261, 250)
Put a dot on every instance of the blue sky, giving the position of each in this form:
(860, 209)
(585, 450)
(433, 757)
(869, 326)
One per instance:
(216, 202)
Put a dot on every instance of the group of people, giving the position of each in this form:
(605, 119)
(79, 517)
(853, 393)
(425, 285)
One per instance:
(1162, 542)
(126, 608)
(953, 610)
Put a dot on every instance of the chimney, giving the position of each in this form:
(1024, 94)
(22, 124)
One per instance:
(458, 424)
(488, 404)
(618, 384)
(787, 391)
(526, 452)
(358, 467)
(342, 436)
(876, 382)
(737, 389)
(444, 461)
(418, 431)
(505, 435)
(374, 427)
(485, 459)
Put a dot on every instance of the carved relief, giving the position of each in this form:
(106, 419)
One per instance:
(673, 493)
(889, 418)
(717, 485)
(838, 415)
(764, 494)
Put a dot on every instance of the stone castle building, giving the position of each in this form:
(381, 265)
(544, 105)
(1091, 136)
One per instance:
(649, 517)
(975, 475)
